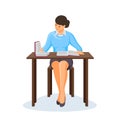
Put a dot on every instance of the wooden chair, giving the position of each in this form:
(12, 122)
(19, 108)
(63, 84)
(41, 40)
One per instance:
(71, 81)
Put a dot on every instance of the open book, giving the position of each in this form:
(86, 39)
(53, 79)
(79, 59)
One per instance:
(37, 46)
(66, 53)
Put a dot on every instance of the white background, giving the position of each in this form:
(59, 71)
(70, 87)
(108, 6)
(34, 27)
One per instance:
(96, 26)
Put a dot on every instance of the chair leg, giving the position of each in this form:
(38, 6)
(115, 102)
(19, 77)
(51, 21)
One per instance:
(71, 82)
(49, 82)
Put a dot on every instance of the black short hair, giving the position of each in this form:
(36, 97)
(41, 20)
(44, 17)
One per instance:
(62, 20)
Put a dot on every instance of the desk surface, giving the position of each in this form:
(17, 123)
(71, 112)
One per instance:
(86, 55)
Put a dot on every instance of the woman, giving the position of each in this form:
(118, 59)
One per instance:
(60, 40)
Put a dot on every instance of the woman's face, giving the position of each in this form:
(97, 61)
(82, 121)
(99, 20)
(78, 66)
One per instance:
(59, 28)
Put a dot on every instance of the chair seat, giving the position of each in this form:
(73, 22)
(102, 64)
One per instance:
(71, 81)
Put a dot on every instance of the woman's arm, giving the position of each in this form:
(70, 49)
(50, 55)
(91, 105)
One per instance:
(75, 44)
(47, 45)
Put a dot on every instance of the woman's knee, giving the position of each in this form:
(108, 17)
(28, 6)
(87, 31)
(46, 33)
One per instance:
(64, 64)
(55, 64)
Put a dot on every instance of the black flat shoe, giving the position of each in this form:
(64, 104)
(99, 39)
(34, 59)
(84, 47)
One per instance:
(62, 104)
(57, 102)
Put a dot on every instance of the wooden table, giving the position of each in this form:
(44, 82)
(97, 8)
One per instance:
(85, 58)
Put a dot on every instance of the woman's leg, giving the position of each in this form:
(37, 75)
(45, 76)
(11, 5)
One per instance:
(63, 65)
(60, 72)
(55, 66)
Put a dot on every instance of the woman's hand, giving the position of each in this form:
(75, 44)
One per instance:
(41, 50)
(80, 52)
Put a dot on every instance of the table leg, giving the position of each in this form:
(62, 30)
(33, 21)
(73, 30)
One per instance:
(49, 83)
(34, 76)
(85, 84)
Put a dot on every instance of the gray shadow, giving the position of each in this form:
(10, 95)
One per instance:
(45, 103)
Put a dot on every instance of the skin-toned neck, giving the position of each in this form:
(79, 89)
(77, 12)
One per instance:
(61, 32)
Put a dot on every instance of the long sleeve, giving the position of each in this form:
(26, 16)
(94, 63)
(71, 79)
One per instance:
(74, 42)
(48, 43)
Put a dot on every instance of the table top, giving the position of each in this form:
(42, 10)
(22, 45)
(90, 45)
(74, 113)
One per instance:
(51, 55)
